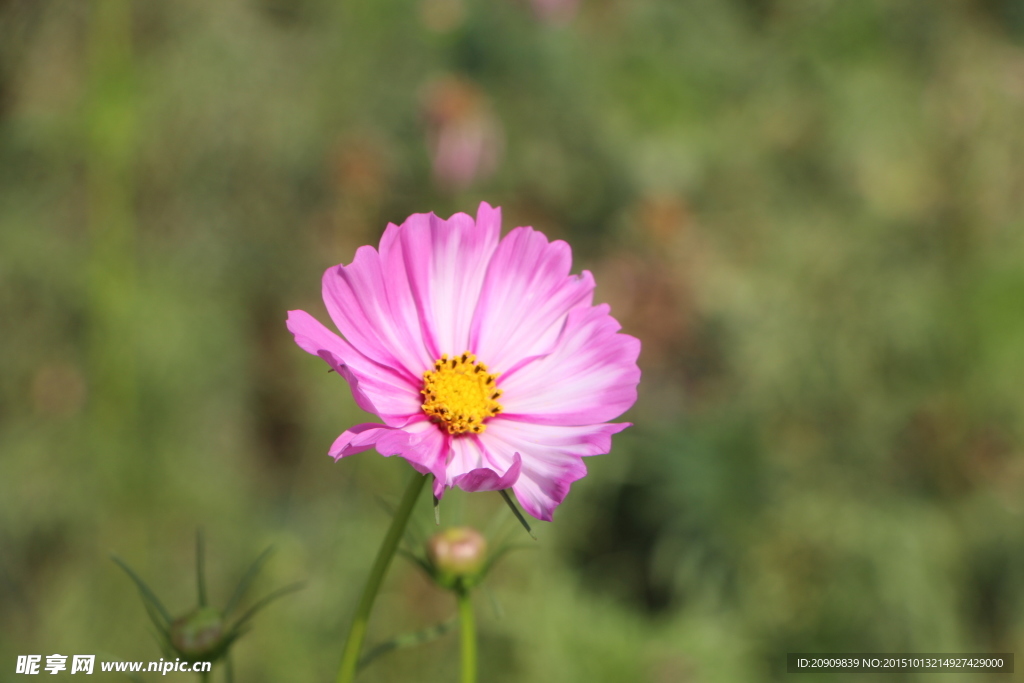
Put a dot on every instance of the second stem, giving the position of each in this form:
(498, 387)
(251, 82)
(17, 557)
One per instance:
(468, 637)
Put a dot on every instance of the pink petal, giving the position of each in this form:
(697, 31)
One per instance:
(427, 448)
(469, 452)
(376, 388)
(526, 295)
(552, 457)
(358, 302)
(538, 439)
(486, 479)
(440, 265)
(464, 455)
(365, 436)
(421, 443)
(589, 377)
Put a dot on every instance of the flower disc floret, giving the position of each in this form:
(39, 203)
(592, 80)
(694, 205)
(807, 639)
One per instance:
(459, 394)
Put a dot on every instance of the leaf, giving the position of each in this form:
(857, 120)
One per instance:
(148, 596)
(247, 580)
(505, 548)
(416, 560)
(155, 617)
(515, 511)
(413, 532)
(163, 644)
(408, 640)
(499, 611)
(280, 592)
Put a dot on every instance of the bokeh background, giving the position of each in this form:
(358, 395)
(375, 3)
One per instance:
(812, 214)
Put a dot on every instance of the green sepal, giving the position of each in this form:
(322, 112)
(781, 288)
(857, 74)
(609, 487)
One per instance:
(515, 511)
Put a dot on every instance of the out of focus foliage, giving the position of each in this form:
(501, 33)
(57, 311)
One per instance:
(812, 214)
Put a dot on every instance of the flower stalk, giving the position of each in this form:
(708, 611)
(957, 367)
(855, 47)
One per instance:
(467, 631)
(357, 632)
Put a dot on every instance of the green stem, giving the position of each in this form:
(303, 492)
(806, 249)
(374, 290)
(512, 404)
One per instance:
(468, 633)
(356, 634)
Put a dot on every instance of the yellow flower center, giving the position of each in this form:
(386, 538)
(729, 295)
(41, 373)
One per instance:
(459, 394)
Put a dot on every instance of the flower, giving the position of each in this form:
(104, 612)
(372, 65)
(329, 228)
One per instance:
(464, 135)
(555, 11)
(457, 557)
(487, 361)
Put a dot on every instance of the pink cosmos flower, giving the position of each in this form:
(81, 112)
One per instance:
(487, 361)
(555, 11)
(465, 136)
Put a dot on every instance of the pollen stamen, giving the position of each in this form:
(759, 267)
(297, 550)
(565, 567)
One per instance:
(459, 394)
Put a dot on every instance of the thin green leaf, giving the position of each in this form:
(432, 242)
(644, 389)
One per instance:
(413, 533)
(234, 635)
(155, 617)
(260, 604)
(499, 611)
(408, 640)
(515, 511)
(416, 560)
(247, 580)
(496, 525)
(145, 591)
(163, 644)
(502, 550)
(414, 536)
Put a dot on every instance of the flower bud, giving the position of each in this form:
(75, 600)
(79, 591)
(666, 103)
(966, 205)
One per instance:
(457, 555)
(199, 634)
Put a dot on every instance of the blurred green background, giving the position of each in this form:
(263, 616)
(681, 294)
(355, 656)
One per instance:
(811, 212)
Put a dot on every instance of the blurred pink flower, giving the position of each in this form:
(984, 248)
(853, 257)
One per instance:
(555, 11)
(486, 360)
(464, 136)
